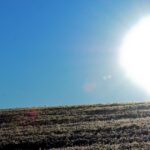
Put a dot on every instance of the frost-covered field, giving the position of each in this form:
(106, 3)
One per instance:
(87, 127)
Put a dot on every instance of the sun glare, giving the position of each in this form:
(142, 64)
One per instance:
(135, 54)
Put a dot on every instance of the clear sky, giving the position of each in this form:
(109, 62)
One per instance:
(64, 52)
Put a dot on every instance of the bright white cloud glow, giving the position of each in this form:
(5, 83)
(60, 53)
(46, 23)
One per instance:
(135, 54)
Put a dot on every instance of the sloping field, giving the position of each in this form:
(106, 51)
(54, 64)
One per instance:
(91, 127)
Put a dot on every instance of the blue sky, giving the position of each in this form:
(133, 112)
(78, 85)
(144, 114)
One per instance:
(64, 52)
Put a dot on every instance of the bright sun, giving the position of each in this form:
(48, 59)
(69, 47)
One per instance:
(135, 54)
